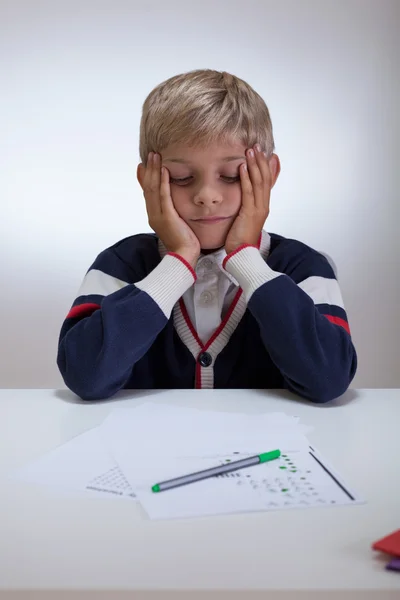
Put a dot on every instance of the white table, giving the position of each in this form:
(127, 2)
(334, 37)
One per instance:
(56, 540)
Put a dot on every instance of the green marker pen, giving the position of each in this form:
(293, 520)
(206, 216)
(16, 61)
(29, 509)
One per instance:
(228, 468)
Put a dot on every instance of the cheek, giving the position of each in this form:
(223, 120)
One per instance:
(181, 202)
(234, 198)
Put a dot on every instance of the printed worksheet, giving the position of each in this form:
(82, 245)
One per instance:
(295, 480)
(82, 463)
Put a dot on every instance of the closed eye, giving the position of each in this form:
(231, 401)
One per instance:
(182, 181)
(187, 180)
(231, 179)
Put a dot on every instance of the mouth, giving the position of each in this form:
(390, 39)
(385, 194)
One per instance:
(210, 220)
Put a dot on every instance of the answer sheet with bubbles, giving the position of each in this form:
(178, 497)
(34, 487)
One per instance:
(296, 480)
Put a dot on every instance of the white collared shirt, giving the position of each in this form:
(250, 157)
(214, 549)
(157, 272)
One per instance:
(208, 299)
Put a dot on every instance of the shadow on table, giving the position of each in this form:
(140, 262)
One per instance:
(68, 396)
(349, 396)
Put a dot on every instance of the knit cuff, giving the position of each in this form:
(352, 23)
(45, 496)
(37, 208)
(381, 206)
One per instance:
(249, 268)
(167, 283)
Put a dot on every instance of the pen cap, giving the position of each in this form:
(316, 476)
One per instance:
(269, 456)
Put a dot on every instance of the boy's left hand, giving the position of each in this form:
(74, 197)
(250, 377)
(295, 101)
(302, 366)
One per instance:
(256, 183)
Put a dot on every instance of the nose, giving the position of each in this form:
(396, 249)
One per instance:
(207, 197)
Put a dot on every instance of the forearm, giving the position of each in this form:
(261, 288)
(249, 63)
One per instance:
(97, 352)
(315, 355)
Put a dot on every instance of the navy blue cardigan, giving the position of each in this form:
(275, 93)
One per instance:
(286, 328)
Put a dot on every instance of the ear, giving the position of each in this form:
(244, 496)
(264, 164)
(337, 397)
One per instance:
(140, 171)
(275, 168)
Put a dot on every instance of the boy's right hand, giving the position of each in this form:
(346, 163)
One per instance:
(163, 217)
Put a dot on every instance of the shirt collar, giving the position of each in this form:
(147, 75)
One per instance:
(218, 256)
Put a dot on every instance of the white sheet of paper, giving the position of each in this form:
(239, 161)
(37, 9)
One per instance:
(153, 429)
(296, 480)
(82, 463)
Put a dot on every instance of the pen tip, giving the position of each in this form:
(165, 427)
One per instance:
(156, 488)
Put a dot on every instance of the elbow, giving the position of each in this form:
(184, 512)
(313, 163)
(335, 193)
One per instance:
(320, 392)
(87, 390)
(334, 380)
(82, 366)
(89, 396)
(323, 394)
(330, 383)
(89, 393)
(86, 386)
(331, 386)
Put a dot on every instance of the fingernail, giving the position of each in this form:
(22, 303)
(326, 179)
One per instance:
(155, 157)
(257, 147)
(265, 154)
(150, 157)
(251, 153)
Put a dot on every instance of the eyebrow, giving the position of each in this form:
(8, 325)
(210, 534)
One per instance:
(182, 160)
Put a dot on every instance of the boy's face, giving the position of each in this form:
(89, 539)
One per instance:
(205, 188)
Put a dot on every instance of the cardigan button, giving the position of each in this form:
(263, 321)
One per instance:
(205, 359)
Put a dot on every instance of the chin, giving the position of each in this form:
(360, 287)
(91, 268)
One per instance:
(212, 244)
(212, 237)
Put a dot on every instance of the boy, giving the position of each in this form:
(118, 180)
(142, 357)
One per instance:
(210, 300)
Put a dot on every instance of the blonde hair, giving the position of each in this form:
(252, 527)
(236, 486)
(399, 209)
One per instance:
(202, 107)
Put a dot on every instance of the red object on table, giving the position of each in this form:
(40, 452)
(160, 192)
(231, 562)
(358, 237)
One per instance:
(389, 544)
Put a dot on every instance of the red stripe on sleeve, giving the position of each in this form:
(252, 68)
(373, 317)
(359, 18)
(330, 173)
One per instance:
(338, 321)
(238, 249)
(185, 262)
(82, 310)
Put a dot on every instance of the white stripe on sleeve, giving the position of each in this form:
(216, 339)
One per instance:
(322, 290)
(98, 283)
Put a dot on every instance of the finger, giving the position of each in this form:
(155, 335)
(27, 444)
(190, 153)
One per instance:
(263, 198)
(255, 177)
(151, 185)
(147, 169)
(166, 203)
(267, 179)
(155, 175)
(247, 188)
(264, 166)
